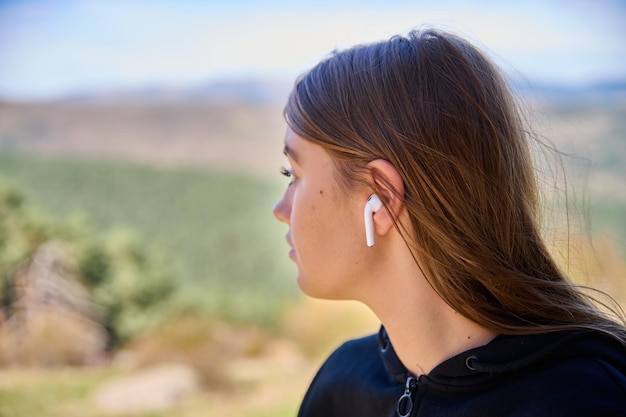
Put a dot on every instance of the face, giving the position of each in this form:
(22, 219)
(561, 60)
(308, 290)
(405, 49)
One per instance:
(326, 232)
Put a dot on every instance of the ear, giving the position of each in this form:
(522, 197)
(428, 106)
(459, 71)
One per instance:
(388, 185)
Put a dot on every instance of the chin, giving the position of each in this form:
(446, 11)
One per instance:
(319, 292)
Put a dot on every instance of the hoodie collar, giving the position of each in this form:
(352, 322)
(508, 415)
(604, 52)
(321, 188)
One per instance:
(505, 353)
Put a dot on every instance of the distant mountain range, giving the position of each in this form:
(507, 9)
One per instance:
(247, 91)
(599, 92)
(272, 92)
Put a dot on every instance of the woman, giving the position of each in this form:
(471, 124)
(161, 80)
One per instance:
(477, 318)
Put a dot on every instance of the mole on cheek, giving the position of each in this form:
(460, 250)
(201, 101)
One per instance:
(321, 192)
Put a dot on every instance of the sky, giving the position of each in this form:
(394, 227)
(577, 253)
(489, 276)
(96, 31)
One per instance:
(51, 48)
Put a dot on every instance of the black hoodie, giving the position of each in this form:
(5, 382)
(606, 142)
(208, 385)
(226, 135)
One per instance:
(565, 374)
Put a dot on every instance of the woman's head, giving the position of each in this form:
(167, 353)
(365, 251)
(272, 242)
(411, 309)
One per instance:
(439, 111)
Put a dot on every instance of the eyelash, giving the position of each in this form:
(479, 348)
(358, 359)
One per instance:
(286, 172)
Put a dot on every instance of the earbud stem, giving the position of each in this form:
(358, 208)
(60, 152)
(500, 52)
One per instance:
(369, 228)
(372, 206)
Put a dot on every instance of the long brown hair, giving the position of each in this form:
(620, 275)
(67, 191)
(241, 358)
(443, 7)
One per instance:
(437, 109)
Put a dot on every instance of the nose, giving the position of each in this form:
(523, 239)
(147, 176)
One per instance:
(282, 209)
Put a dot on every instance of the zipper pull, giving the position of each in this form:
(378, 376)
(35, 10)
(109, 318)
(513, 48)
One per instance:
(405, 402)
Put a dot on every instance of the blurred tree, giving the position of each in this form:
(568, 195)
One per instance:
(128, 282)
(131, 282)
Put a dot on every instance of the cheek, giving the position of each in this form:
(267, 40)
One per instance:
(307, 221)
(310, 215)
(323, 231)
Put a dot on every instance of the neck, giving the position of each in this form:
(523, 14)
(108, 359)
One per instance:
(424, 330)
(424, 339)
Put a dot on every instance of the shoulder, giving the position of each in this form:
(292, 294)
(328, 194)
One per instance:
(356, 351)
(585, 376)
(595, 363)
(352, 361)
(353, 379)
(595, 355)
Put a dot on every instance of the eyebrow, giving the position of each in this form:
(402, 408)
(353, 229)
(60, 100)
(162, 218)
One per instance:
(289, 152)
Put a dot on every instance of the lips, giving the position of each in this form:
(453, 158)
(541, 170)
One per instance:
(292, 252)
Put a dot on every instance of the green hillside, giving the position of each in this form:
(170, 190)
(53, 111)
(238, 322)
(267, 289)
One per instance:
(226, 248)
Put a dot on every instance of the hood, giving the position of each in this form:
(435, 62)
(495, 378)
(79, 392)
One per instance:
(507, 354)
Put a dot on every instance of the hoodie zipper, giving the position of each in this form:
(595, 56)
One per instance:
(405, 402)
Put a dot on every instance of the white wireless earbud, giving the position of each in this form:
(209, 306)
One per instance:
(372, 206)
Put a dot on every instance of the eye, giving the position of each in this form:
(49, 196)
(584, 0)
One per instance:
(286, 172)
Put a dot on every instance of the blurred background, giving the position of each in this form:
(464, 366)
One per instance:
(141, 270)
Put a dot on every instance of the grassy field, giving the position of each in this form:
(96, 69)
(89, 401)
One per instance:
(68, 393)
(267, 381)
